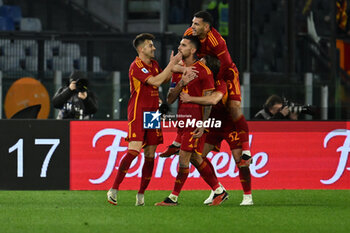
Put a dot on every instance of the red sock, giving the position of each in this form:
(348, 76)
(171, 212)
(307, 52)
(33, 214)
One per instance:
(180, 180)
(210, 165)
(245, 178)
(243, 132)
(124, 167)
(208, 176)
(147, 171)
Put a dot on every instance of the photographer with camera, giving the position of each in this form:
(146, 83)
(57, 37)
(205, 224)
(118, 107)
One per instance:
(275, 109)
(75, 101)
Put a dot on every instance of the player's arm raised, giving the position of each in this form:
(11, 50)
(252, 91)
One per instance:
(166, 74)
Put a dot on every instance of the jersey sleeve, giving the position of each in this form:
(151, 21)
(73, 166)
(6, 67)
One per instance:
(188, 31)
(175, 79)
(223, 55)
(219, 48)
(207, 81)
(220, 85)
(206, 77)
(158, 69)
(140, 73)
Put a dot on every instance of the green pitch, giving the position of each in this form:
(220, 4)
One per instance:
(88, 211)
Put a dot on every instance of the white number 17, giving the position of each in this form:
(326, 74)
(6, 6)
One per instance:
(19, 147)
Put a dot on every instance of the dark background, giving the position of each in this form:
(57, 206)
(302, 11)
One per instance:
(57, 176)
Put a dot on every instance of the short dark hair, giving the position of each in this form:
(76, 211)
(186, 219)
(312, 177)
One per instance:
(139, 39)
(194, 40)
(272, 100)
(213, 64)
(206, 16)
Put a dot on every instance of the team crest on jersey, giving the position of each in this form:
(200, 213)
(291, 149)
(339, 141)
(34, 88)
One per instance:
(144, 70)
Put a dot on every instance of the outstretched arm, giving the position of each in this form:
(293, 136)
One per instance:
(166, 74)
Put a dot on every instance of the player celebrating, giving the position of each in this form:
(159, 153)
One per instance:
(145, 77)
(213, 44)
(191, 138)
(227, 131)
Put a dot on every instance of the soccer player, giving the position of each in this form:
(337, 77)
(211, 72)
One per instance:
(191, 138)
(227, 132)
(145, 77)
(213, 44)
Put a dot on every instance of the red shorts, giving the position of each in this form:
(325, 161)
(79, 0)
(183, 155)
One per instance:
(147, 136)
(233, 86)
(227, 132)
(190, 144)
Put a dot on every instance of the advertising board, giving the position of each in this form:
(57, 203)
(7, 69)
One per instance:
(286, 155)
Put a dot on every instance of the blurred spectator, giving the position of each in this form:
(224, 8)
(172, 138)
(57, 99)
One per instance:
(219, 10)
(75, 101)
(274, 109)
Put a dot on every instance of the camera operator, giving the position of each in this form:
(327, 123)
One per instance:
(75, 101)
(274, 109)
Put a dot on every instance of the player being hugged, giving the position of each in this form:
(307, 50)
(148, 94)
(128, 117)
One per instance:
(191, 138)
(213, 44)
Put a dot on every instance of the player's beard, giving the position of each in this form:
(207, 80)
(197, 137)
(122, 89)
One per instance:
(194, 32)
(184, 56)
(199, 33)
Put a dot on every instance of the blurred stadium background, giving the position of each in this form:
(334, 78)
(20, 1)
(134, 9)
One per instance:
(296, 49)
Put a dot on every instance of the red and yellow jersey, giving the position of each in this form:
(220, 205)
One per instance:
(219, 111)
(213, 44)
(143, 97)
(197, 87)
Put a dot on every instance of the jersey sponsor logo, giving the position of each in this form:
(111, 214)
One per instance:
(144, 70)
(151, 120)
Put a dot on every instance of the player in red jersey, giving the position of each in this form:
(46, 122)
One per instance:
(213, 44)
(145, 77)
(191, 138)
(227, 131)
